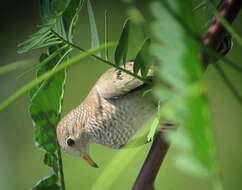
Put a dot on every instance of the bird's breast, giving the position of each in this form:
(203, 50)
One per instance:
(119, 119)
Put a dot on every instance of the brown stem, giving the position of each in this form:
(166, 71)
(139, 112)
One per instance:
(229, 9)
(151, 166)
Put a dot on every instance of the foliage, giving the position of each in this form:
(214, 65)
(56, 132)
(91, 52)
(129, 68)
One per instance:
(74, 60)
(46, 99)
(180, 66)
(122, 47)
(143, 60)
(93, 28)
(51, 14)
(45, 110)
(182, 101)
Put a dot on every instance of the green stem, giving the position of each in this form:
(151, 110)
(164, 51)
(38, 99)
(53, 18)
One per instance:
(61, 173)
(106, 33)
(49, 74)
(45, 61)
(207, 50)
(102, 60)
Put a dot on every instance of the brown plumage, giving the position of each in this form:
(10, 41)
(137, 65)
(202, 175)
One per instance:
(112, 112)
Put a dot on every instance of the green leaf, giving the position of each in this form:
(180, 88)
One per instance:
(70, 16)
(143, 60)
(37, 40)
(46, 98)
(47, 93)
(93, 27)
(153, 127)
(48, 183)
(74, 60)
(106, 32)
(45, 107)
(122, 47)
(58, 6)
(51, 161)
(51, 18)
(179, 65)
(44, 59)
(51, 14)
(44, 110)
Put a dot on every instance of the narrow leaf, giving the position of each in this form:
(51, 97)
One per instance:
(38, 39)
(58, 7)
(45, 108)
(43, 61)
(76, 59)
(143, 60)
(106, 32)
(70, 16)
(179, 65)
(122, 47)
(51, 161)
(93, 27)
(153, 127)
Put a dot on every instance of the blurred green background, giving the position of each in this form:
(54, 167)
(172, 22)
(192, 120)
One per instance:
(21, 162)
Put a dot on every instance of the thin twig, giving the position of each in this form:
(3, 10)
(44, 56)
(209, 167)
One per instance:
(102, 60)
(229, 9)
(208, 52)
(106, 32)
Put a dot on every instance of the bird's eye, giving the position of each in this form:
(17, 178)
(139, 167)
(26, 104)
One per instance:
(70, 142)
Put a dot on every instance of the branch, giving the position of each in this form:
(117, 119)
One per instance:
(101, 59)
(229, 9)
(151, 166)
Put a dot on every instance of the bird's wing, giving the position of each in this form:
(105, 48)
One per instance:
(114, 83)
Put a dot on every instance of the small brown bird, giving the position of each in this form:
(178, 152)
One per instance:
(110, 115)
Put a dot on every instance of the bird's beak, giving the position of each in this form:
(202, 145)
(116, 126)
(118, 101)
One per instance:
(89, 160)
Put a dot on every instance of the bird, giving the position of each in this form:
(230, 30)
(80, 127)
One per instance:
(113, 111)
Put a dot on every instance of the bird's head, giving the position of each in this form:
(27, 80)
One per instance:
(73, 138)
